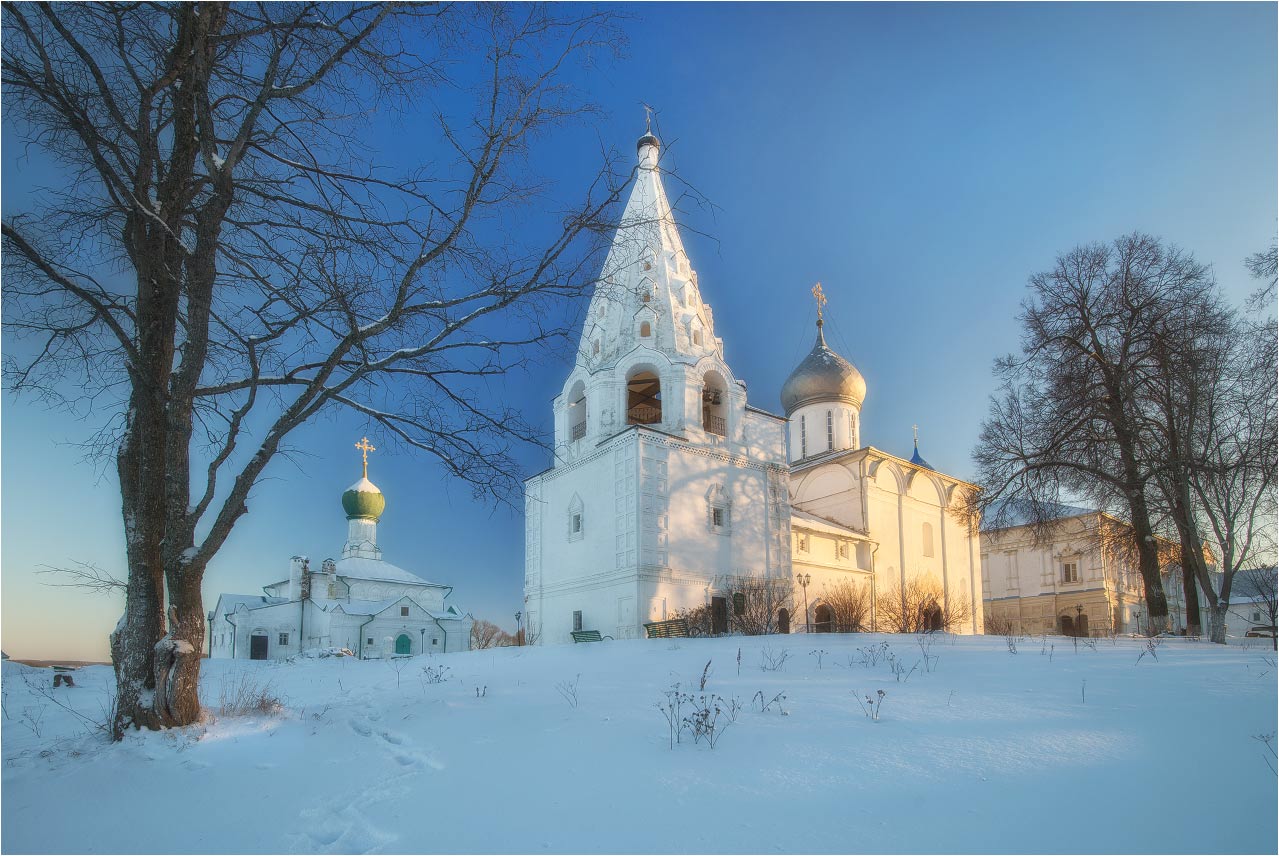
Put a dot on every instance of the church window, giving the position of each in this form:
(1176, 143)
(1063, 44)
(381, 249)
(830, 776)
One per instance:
(802, 541)
(577, 619)
(575, 521)
(830, 430)
(843, 550)
(646, 329)
(1070, 572)
(852, 430)
(370, 641)
(739, 603)
(697, 337)
(803, 436)
(648, 295)
(284, 639)
(719, 509)
(595, 347)
(404, 611)
(928, 540)
(435, 641)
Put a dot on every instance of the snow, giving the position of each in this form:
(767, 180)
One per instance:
(364, 486)
(987, 752)
(361, 568)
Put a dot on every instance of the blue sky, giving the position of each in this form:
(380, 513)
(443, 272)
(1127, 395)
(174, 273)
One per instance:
(920, 160)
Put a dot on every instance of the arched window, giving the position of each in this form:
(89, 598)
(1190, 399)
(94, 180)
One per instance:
(783, 620)
(739, 603)
(803, 436)
(643, 398)
(648, 295)
(646, 329)
(697, 337)
(830, 430)
(852, 430)
(928, 540)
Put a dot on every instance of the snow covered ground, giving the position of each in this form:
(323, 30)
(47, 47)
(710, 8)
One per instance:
(987, 752)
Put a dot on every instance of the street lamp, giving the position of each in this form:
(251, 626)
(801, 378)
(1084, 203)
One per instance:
(804, 580)
(517, 628)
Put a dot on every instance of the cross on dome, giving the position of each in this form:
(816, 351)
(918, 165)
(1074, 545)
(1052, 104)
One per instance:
(365, 447)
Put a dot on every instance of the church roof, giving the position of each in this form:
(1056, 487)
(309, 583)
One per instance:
(231, 602)
(1006, 513)
(823, 375)
(821, 524)
(376, 607)
(360, 568)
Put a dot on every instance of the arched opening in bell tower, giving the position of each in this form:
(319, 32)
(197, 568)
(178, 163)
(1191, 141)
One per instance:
(577, 411)
(643, 398)
(714, 404)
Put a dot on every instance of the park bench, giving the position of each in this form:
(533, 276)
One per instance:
(588, 636)
(666, 629)
(62, 675)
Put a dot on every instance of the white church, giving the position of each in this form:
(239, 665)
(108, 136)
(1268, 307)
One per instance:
(360, 602)
(668, 488)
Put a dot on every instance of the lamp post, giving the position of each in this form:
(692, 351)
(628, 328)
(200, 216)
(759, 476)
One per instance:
(804, 580)
(519, 638)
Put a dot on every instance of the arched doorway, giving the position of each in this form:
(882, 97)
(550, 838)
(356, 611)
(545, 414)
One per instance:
(1081, 625)
(931, 619)
(403, 644)
(643, 399)
(1067, 626)
(823, 619)
(783, 620)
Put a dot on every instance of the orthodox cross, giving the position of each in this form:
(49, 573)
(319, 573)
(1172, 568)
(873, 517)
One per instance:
(648, 119)
(820, 297)
(916, 429)
(365, 447)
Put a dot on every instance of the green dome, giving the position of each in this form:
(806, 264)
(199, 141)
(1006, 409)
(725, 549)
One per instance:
(363, 500)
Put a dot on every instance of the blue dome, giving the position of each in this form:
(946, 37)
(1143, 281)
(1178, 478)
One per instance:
(918, 459)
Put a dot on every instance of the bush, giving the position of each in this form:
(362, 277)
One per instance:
(242, 695)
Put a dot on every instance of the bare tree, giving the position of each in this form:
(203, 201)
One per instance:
(486, 634)
(1262, 586)
(849, 601)
(921, 604)
(756, 604)
(225, 261)
(1069, 416)
(1211, 432)
(1264, 266)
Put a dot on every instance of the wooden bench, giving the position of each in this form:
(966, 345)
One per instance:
(588, 636)
(672, 627)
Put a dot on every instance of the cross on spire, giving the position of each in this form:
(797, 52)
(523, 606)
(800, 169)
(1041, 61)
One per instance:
(648, 119)
(820, 297)
(365, 447)
(916, 430)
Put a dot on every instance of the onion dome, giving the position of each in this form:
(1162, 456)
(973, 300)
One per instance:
(647, 140)
(363, 501)
(918, 459)
(823, 376)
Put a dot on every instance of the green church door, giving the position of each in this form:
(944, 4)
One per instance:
(403, 644)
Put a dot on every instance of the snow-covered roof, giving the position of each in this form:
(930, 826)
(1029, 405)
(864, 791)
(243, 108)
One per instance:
(376, 607)
(819, 524)
(229, 603)
(1006, 513)
(359, 568)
